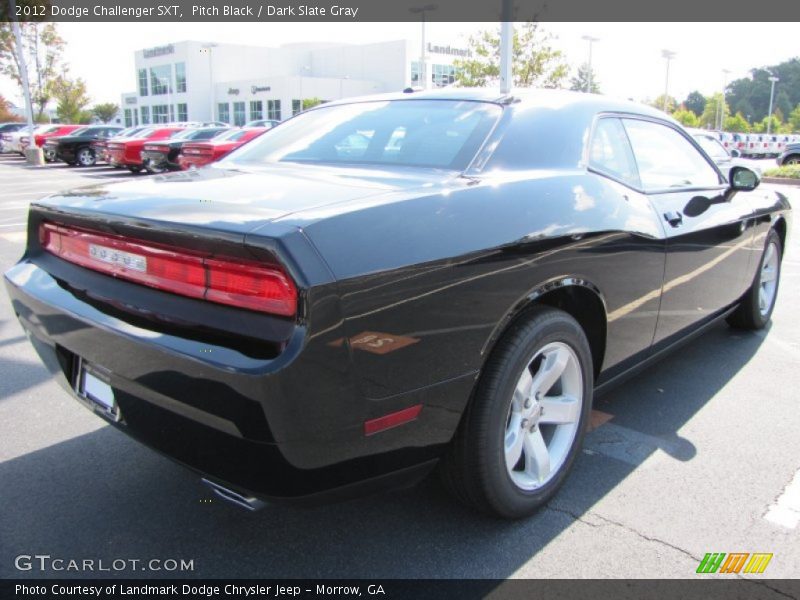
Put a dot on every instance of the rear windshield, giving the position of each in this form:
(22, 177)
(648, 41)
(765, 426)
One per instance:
(233, 135)
(415, 133)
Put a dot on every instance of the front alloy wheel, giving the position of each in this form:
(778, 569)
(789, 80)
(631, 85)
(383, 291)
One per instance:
(524, 425)
(756, 306)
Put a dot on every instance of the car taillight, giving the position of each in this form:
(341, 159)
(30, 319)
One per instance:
(222, 280)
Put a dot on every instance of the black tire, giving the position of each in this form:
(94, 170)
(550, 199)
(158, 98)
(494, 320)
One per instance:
(749, 314)
(792, 159)
(135, 170)
(85, 157)
(474, 466)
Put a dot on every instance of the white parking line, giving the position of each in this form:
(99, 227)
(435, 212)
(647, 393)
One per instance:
(786, 510)
(15, 237)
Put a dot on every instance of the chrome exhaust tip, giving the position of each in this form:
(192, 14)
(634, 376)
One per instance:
(246, 502)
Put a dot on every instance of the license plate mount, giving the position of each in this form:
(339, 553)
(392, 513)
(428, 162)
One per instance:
(92, 384)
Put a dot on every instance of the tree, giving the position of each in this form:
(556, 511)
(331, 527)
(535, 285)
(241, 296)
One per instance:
(72, 100)
(737, 124)
(105, 111)
(42, 48)
(710, 116)
(311, 103)
(755, 89)
(685, 117)
(695, 102)
(794, 119)
(534, 61)
(761, 126)
(658, 103)
(5, 111)
(581, 81)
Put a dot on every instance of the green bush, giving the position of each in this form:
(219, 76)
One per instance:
(788, 172)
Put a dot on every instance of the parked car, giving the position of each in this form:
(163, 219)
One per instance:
(198, 154)
(100, 145)
(158, 157)
(6, 129)
(76, 148)
(127, 152)
(12, 142)
(59, 130)
(268, 123)
(791, 155)
(293, 323)
(710, 143)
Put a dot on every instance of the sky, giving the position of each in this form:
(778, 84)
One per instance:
(626, 60)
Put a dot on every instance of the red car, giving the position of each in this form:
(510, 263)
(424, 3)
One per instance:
(199, 154)
(127, 152)
(100, 146)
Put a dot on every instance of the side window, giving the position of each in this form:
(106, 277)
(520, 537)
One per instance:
(610, 152)
(666, 159)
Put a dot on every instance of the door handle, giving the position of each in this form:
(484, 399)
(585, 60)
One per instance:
(674, 218)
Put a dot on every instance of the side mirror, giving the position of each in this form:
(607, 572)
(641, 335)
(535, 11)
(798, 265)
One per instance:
(743, 179)
(735, 153)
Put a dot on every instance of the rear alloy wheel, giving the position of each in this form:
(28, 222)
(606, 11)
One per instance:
(524, 426)
(755, 309)
(85, 157)
(794, 159)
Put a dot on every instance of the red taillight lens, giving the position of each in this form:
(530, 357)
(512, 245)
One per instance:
(223, 280)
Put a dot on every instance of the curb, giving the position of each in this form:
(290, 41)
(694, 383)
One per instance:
(781, 181)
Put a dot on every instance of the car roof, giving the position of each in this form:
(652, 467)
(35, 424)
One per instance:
(562, 100)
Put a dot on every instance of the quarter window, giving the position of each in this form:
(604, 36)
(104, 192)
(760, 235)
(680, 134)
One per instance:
(610, 152)
(666, 159)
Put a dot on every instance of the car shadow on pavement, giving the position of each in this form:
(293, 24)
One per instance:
(102, 495)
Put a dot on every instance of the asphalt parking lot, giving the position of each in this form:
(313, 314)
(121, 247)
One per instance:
(695, 455)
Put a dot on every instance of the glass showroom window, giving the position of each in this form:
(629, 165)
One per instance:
(180, 77)
(224, 112)
(128, 118)
(143, 82)
(297, 107)
(161, 80)
(183, 112)
(171, 113)
(256, 110)
(160, 113)
(145, 115)
(274, 110)
(239, 118)
(415, 72)
(443, 75)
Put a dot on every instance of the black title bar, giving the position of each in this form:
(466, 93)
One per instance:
(276, 11)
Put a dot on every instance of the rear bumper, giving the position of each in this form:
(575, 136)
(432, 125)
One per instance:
(288, 426)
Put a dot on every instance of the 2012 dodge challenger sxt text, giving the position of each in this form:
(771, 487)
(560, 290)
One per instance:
(383, 285)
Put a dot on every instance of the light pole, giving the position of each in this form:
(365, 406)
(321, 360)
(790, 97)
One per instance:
(206, 48)
(591, 41)
(721, 105)
(421, 10)
(32, 157)
(669, 55)
(773, 80)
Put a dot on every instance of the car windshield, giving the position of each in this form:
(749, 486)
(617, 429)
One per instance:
(197, 134)
(413, 133)
(712, 147)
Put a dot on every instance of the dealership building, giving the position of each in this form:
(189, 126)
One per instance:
(202, 81)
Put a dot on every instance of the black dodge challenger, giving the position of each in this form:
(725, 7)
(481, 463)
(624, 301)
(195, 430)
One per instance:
(386, 285)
